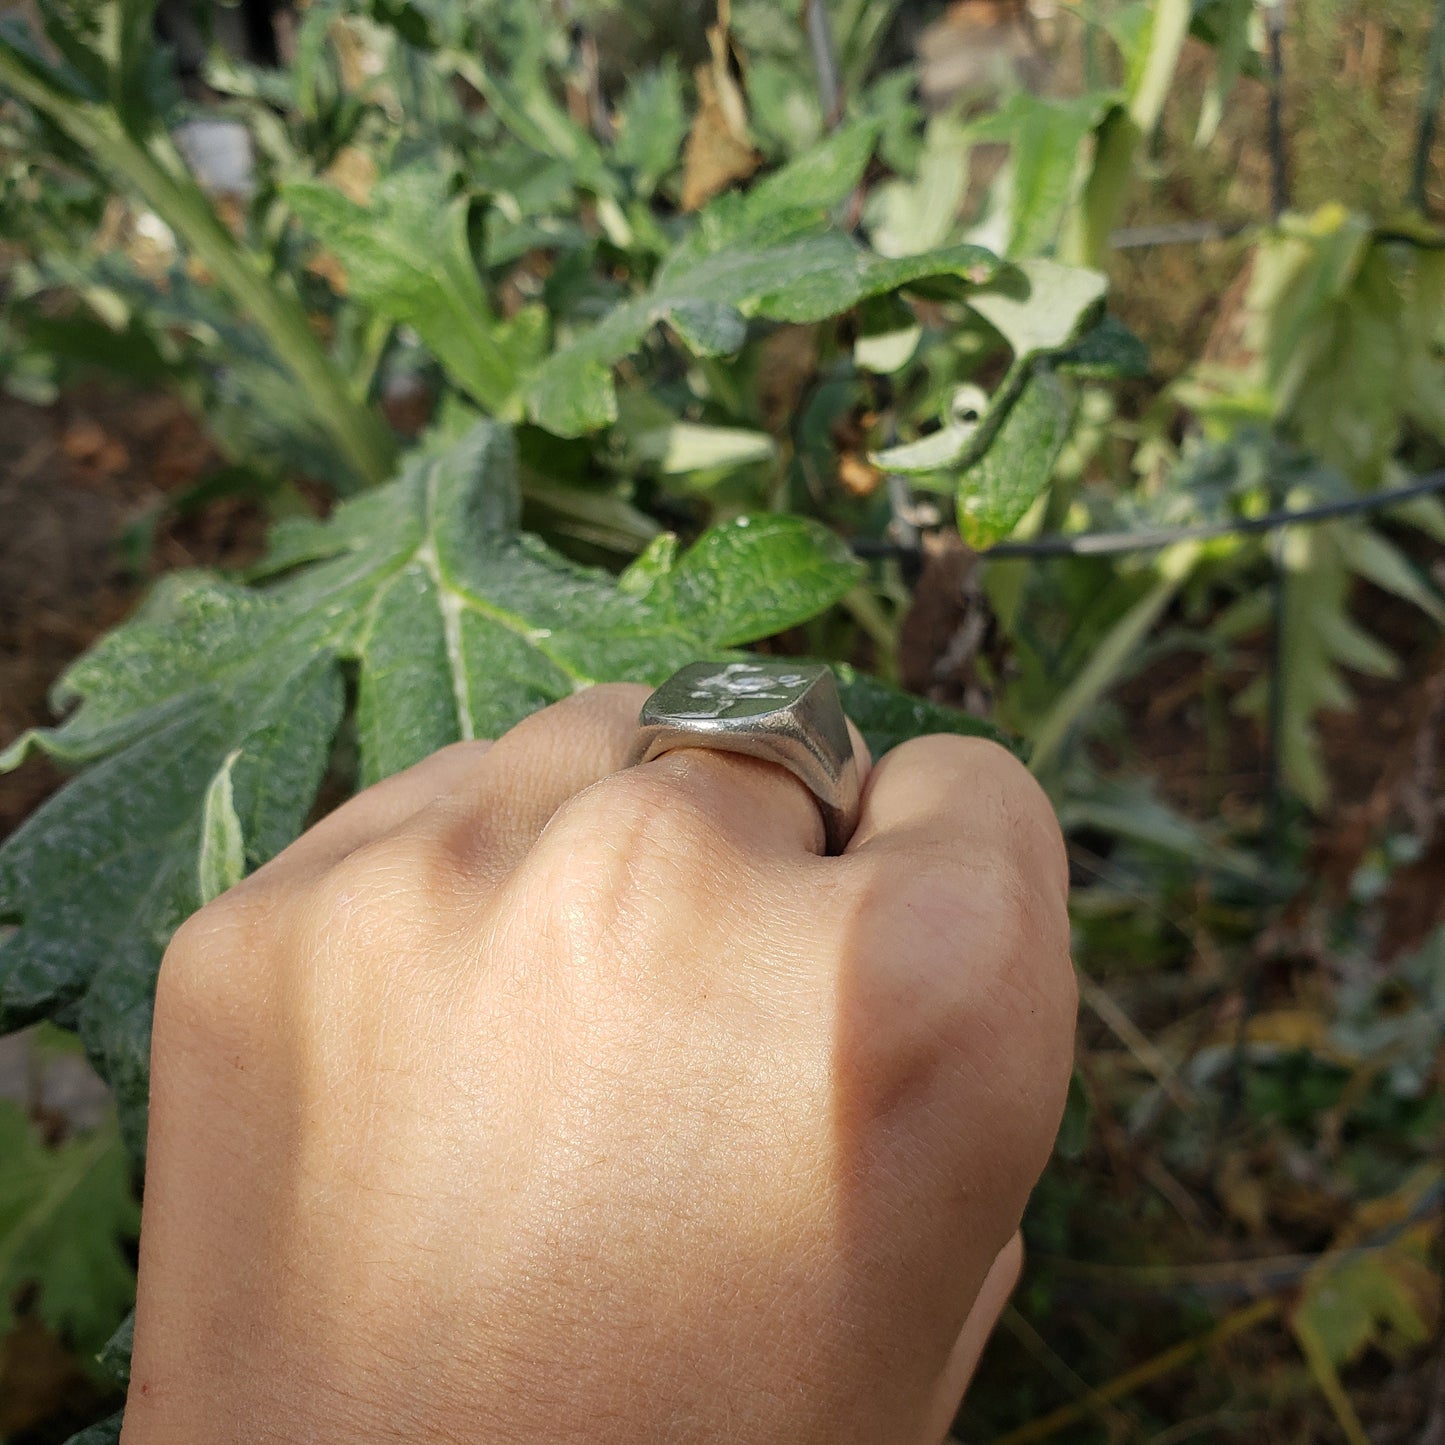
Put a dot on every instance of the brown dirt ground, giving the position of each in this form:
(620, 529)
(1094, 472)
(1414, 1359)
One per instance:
(73, 478)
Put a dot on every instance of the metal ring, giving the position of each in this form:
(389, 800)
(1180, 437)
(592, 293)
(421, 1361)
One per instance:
(778, 710)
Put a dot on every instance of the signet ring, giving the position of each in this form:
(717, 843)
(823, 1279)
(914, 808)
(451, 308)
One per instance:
(776, 709)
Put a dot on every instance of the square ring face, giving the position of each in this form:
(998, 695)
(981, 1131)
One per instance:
(731, 692)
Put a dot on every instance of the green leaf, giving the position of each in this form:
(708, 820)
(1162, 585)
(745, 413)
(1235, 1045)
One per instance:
(936, 452)
(1319, 639)
(114, 1356)
(222, 863)
(1346, 1306)
(995, 492)
(886, 716)
(1370, 555)
(1225, 24)
(1040, 305)
(1045, 138)
(909, 216)
(684, 446)
(1110, 658)
(823, 176)
(64, 1216)
(409, 258)
(104, 1432)
(652, 126)
(793, 267)
(1108, 351)
(456, 626)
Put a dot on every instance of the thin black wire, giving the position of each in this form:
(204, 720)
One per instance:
(1114, 544)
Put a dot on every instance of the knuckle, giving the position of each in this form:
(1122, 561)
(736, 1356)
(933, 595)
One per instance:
(644, 817)
(610, 696)
(212, 976)
(606, 702)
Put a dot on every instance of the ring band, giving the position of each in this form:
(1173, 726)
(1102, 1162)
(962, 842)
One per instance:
(781, 711)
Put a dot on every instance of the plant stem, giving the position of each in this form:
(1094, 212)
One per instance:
(1123, 130)
(1429, 108)
(359, 433)
(1278, 154)
(1241, 1321)
(825, 61)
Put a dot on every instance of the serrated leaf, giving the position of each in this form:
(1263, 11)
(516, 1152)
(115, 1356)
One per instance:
(114, 1356)
(1372, 556)
(457, 626)
(1040, 305)
(793, 267)
(65, 1213)
(408, 257)
(995, 492)
(651, 125)
(222, 863)
(104, 1432)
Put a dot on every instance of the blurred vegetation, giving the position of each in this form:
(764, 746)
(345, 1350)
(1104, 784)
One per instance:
(1035, 306)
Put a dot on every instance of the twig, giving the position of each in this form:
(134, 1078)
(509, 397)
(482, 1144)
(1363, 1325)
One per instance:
(1275, 829)
(1274, 21)
(1113, 1017)
(1181, 233)
(1429, 108)
(1047, 1426)
(1058, 1368)
(1238, 1279)
(825, 60)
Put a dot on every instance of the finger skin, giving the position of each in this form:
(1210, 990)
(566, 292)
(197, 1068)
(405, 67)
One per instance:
(964, 796)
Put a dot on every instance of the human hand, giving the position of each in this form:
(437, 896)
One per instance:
(527, 1099)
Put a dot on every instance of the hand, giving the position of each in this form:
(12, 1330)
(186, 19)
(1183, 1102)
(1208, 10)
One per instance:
(525, 1099)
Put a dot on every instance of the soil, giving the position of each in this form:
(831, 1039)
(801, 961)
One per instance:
(80, 482)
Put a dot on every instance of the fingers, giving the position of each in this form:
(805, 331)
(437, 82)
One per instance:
(534, 769)
(966, 798)
(489, 802)
(957, 946)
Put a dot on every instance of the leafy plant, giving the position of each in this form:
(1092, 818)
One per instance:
(65, 1213)
(635, 372)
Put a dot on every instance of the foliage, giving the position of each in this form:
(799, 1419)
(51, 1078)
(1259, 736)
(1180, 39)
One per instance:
(64, 1214)
(637, 369)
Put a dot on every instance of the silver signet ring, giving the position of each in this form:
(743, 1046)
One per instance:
(778, 710)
